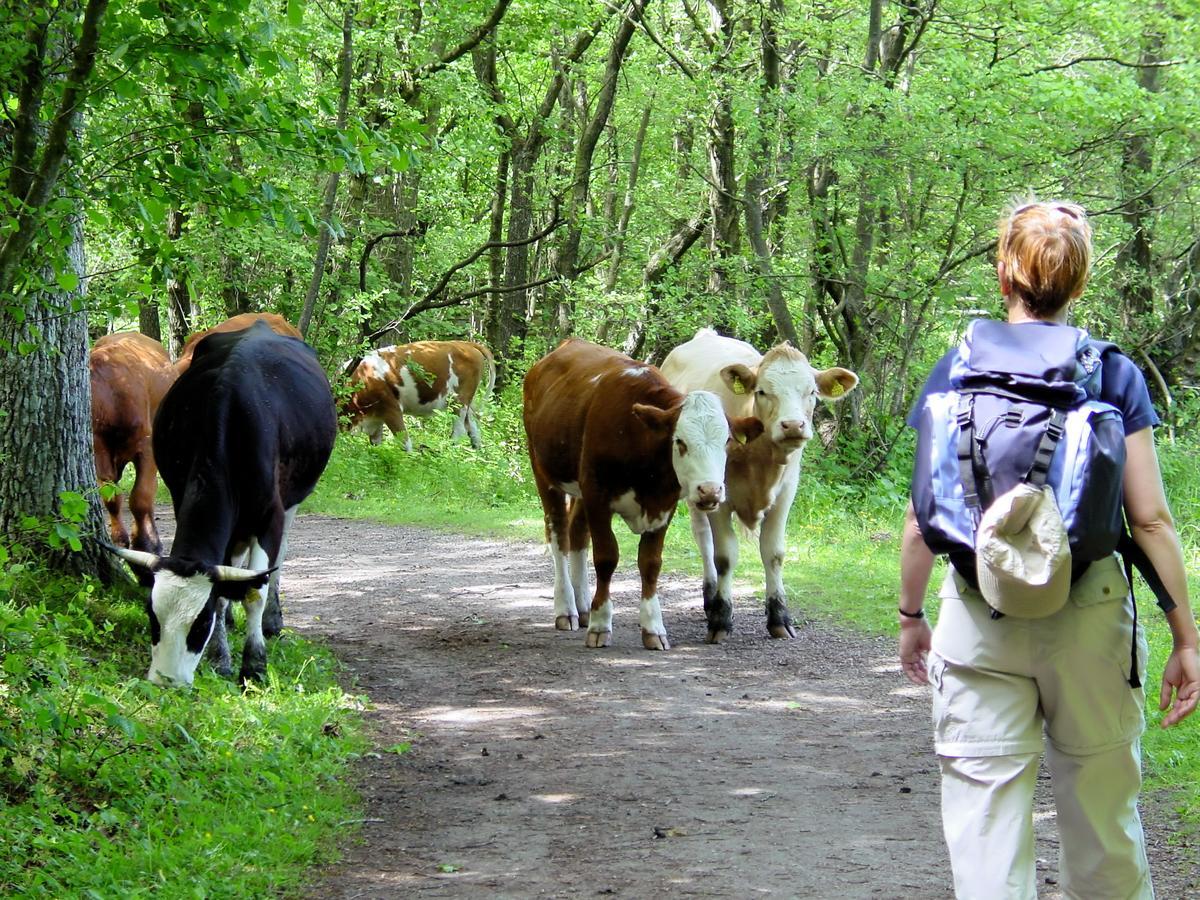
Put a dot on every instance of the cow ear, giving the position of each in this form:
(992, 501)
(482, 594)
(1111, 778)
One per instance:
(740, 379)
(745, 428)
(659, 421)
(835, 383)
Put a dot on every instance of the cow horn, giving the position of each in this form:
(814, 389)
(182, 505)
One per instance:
(236, 573)
(135, 557)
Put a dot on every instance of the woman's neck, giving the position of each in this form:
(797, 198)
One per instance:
(1017, 313)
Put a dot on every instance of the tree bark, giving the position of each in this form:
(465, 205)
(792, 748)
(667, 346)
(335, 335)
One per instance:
(325, 235)
(621, 227)
(661, 262)
(179, 304)
(567, 258)
(760, 164)
(724, 236)
(45, 388)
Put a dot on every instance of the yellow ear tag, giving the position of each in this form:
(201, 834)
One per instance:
(738, 387)
(836, 390)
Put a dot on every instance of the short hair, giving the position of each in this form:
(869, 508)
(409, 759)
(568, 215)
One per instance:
(1046, 248)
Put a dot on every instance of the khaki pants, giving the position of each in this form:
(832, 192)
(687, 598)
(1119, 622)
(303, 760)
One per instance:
(998, 684)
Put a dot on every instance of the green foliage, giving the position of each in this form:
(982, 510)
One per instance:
(111, 786)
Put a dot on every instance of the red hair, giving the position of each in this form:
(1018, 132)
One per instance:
(1046, 248)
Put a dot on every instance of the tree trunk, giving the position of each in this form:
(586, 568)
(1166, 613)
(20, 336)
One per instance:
(622, 224)
(663, 260)
(325, 235)
(234, 297)
(179, 303)
(1135, 261)
(45, 388)
(149, 322)
(567, 258)
(760, 164)
(724, 237)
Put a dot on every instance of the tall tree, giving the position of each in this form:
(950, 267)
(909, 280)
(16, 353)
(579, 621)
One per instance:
(45, 393)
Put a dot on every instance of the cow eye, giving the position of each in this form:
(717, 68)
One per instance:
(760, 393)
(681, 446)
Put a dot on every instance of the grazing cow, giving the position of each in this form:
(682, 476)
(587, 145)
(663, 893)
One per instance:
(241, 439)
(417, 379)
(761, 477)
(609, 435)
(130, 373)
(241, 321)
(273, 616)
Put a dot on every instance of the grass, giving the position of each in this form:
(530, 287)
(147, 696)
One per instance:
(843, 541)
(113, 787)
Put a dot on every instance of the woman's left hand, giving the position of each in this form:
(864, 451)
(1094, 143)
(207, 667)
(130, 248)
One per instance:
(1181, 677)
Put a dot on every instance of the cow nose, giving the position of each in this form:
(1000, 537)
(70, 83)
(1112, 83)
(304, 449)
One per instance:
(709, 496)
(795, 430)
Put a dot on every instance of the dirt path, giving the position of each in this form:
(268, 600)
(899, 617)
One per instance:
(539, 768)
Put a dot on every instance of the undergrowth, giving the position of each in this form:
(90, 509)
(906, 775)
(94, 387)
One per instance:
(843, 539)
(113, 787)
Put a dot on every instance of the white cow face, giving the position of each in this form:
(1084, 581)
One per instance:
(182, 609)
(182, 612)
(698, 445)
(786, 389)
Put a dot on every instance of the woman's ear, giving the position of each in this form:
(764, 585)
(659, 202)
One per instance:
(1004, 279)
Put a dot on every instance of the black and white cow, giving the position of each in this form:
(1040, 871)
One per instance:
(240, 439)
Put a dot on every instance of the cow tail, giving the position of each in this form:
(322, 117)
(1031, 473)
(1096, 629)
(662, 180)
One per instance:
(491, 365)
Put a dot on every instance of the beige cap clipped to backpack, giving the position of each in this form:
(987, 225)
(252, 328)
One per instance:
(1023, 554)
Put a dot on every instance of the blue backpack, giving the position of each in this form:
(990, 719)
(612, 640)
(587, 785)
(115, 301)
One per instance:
(1023, 405)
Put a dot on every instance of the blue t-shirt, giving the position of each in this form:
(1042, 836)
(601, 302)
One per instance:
(1121, 384)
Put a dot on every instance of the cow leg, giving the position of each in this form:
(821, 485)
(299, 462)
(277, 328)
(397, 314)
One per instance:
(654, 633)
(218, 644)
(471, 418)
(772, 541)
(141, 502)
(554, 511)
(578, 536)
(373, 429)
(719, 609)
(272, 623)
(394, 419)
(459, 428)
(107, 473)
(605, 554)
(702, 533)
(254, 651)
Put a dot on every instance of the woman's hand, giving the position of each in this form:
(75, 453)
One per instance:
(915, 641)
(1181, 677)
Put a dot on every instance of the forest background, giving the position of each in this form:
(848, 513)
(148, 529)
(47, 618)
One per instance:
(381, 171)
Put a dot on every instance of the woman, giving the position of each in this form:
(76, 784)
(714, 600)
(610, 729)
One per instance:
(999, 683)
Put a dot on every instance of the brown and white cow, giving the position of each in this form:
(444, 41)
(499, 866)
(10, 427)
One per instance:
(761, 477)
(418, 379)
(130, 373)
(609, 435)
(277, 323)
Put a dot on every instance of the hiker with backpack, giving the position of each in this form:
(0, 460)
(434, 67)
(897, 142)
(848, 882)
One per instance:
(1034, 446)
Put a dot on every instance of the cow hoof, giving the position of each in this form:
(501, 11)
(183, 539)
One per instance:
(782, 631)
(565, 623)
(716, 635)
(596, 639)
(583, 619)
(652, 641)
(252, 676)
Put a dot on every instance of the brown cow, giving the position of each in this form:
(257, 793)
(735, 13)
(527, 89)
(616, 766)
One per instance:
(417, 379)
(611, 434)
(278, 324)
(130, 373)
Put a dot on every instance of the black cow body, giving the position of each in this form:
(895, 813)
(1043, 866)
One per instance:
(240, 439)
